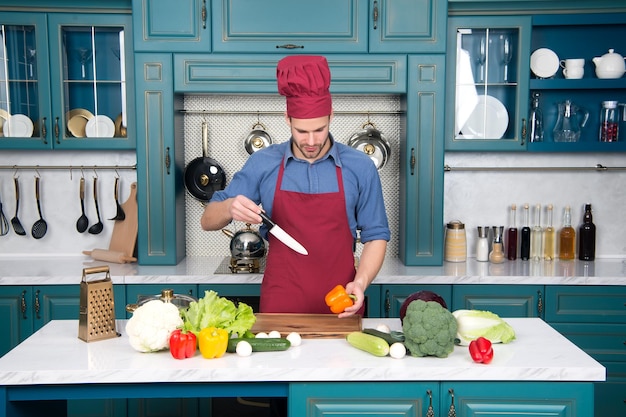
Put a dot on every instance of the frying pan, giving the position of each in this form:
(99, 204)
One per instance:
(204, 175)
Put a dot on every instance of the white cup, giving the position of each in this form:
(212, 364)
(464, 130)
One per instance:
(573, 68)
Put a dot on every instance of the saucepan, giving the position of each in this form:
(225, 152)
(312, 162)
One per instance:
(167, 296)
(204, 175)
(257, 139)
(372, 142)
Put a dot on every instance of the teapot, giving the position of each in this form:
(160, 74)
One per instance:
(571, 119)
(246, 243)
(610, 65)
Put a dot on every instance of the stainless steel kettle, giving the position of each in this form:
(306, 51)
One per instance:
(246, 243)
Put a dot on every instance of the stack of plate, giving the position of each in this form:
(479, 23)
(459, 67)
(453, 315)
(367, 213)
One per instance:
(15, 125)
(82, 123)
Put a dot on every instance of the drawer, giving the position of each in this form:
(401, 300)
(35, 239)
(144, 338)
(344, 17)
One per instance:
(585, 304)
(604, 342)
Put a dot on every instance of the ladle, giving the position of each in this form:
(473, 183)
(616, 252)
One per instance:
(96, 228)
(40, 227)
(4, 223)
(15, 222)
(83, 222)
(119, 215)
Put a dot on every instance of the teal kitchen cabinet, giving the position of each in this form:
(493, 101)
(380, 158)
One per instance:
(504, 300)
(421, 163)
(407, 26)
(65, 82)
(173, 26)
(488, 76)
(594, 318)
(160, 162)
(271, 26)
(395, 294)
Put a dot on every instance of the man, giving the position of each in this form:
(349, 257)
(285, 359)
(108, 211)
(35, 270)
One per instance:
(317, 190)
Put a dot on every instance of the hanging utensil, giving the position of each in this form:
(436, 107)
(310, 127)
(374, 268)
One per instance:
(40, 227)
(204, 175)
(257, 139)
(83, 222)
(15, 222)
(4, 223)
(96, 228)
(119, 215)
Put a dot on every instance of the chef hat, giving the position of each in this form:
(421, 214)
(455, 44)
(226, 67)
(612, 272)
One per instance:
(305, 80)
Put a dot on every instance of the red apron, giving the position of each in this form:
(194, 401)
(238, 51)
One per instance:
(295, 283)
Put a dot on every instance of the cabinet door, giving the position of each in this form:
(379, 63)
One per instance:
(176, 26)
(160, 163)
(421, 163)
(394, 296)
(523, 399)
(488, 67)
(585, 304)
(55, 302)
(504, 300)
(271, 26)
(407, 26)
(15, 316)
(91, 60)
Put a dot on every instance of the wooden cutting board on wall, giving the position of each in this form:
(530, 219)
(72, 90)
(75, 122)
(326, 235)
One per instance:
(309, 326)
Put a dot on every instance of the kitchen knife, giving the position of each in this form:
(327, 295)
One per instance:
(283, 236)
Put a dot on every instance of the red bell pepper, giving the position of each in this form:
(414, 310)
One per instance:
(481, 350)
(182, 344)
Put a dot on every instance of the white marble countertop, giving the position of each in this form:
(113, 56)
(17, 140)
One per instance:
(55, 355)
(196, 270)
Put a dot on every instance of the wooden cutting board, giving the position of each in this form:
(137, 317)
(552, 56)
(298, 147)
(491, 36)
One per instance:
(309, 326)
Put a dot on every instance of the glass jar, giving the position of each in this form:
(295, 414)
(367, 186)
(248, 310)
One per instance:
(609, 121)
(455, 249)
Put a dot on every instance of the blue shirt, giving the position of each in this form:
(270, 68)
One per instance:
(365, 206)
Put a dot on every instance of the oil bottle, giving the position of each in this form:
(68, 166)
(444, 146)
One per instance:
(567, 237)
(549, 237)
(536, 236)
(587, 237)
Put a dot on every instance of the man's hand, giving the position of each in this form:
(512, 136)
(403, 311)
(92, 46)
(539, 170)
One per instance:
(243, 209)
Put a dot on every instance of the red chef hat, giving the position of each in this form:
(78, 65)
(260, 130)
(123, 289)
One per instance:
(305, 80)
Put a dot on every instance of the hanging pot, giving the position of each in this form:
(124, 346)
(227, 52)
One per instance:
(257, 139)
(372, 142)
(204, 175)
(246, 243)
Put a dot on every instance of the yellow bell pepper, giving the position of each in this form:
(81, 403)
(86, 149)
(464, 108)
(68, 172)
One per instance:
(212, 342)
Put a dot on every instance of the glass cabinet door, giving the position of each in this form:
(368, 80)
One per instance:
(488, 83)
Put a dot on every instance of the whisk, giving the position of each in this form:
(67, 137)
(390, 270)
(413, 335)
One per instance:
(4, 223)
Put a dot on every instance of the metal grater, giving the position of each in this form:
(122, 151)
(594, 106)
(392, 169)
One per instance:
(97, 308)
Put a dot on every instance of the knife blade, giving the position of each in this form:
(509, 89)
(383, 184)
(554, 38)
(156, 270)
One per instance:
(283, 236)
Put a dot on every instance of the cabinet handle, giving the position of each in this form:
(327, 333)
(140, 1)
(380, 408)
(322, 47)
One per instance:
(412, 161)
(524, 132)
(203, 14)
(168, 160)
(375, 15)
(44, 131)
(23, 304)
(387, 303)
(56, 130)
(539, 304)
(37, 304)
(452, 410)
(289, 46)
(430, 412)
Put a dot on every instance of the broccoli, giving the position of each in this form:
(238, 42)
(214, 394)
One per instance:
(429, 329)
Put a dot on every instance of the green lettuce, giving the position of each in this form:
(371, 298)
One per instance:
(215, 311)
(472, 324)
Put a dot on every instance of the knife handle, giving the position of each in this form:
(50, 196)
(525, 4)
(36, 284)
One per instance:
(267, 220)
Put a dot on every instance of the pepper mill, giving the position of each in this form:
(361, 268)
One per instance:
(496, 256)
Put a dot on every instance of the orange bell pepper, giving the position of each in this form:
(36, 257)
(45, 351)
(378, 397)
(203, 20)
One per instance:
(338, 299)
(212, 342)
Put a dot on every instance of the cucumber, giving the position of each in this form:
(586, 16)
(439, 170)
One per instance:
(390, 338)
(268, 344)
(369, 343)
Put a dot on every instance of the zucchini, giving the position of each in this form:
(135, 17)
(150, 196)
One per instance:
(267, 344)
(391, 338)
(369, 343)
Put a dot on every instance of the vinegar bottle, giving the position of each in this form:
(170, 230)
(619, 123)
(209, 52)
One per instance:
(567, 237)
(549, 237)
(525, 239)
(587, 237)
(511, 237)
(536, 236)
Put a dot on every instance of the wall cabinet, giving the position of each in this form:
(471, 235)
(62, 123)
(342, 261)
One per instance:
(64, 81)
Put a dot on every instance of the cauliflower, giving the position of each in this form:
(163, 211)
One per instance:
(429, 329)
(152, 323)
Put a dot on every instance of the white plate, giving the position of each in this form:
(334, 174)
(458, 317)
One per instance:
(100, 127)
(489, 120)
(544, 63)
(18, 126)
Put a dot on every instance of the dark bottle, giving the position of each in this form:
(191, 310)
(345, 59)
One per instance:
(511, 237)
(587, 237)
(525, 239)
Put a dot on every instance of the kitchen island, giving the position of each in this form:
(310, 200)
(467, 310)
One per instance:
(540, 370)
